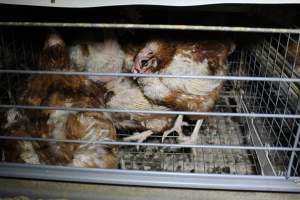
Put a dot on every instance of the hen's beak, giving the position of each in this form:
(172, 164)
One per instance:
(136, 69)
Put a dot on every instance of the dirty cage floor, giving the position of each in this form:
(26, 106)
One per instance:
(214, 131)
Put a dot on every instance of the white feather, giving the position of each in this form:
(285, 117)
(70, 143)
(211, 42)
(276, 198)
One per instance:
(183, 65)
(12, 117)
(127, 95)
(28, 154)
(103, 57)
(57, 120)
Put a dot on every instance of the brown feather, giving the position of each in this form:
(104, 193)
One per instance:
(165, 53)
(59, 90)
(195, 103)
(204, 57)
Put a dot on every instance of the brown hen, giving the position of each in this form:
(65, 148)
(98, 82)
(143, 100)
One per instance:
(183, 58)
(62, 91)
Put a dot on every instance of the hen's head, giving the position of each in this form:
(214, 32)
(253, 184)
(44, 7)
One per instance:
(154, 56)
(54, 55)
(146, 60)
(54, 39)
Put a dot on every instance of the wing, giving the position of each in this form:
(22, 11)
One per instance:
(124, 93)
(202, 59)
(106, 56)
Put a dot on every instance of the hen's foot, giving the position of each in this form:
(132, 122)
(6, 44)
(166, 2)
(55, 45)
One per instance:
(193, 138)
(177, 127)
(139, 137)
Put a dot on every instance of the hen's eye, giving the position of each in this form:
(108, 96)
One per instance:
(144, 63)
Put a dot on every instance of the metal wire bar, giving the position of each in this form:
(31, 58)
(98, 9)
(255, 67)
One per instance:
(71, 73)
(207, 161)
(297, 166)
(265, 163)
(152, 26)
(280, 87)
(224, 114)
(150, 178)
(148, 172)
(281, 98)
(289, 171)
(203, 146)
(260, 64)
(265, 74)
(273, 68)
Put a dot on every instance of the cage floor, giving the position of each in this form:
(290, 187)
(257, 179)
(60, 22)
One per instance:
(214, 131)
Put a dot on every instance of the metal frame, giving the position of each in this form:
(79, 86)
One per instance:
(268, 180)
(232, 147)
(152, 26)
(95, 3)
(160, 179)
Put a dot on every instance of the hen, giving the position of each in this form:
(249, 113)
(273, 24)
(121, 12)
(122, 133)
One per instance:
(106, 56)
(124, 93)
(109, 55)
(62, 91)
(183, 58)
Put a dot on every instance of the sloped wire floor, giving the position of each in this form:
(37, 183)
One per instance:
(214, 131)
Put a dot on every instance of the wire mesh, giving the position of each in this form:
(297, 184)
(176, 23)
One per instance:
(272, 57)
(269, 57)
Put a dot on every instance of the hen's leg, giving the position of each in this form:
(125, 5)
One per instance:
(139, 137)
(193, 138)
(177, 127)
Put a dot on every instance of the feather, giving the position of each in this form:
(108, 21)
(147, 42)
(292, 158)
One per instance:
(62, 91)
(183, 58)
(106, 56)
(123, 93)
(187, 58)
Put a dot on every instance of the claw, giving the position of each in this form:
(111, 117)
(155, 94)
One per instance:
(139, 137)
(193, 138)
(177, 127)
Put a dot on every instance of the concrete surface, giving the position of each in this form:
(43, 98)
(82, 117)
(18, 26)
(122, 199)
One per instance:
(45, 190)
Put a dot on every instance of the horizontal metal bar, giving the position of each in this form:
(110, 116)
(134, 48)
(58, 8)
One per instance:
(125, 171)
(78, 191)
(152, 26)
(221, 114)
(69, 73)
(150, 178)
(106, 142)
(95, 3)
(292, 158)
